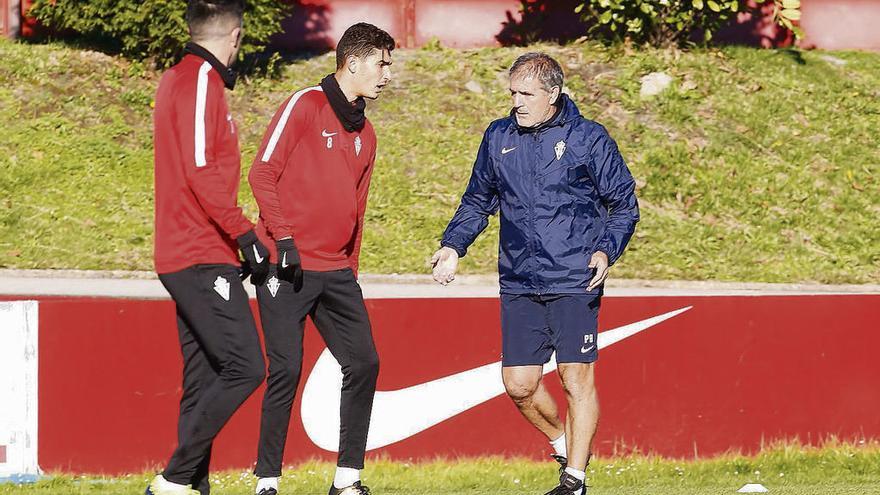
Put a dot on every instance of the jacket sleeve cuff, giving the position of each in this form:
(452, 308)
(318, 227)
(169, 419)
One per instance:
(280, 233)
(606, 247)
(459, 250)
(246, 239)
(243, 228)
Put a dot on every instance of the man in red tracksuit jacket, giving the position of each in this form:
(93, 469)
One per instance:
(311, 178)
(199, 229)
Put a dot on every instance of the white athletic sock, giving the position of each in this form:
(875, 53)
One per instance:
(581, 475)
(559, 445)
(164, 484)
(266, 483)
(346, 476)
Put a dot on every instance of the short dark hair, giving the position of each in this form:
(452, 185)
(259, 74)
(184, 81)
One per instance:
(360, 40)
(540, 65)
(202, 16)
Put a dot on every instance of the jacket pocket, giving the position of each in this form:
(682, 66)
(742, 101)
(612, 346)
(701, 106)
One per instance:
(579, 175)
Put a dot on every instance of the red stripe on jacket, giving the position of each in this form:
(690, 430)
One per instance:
(197, 170)
(311, 179)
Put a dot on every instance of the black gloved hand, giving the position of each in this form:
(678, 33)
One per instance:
(256, 257)
(244, 270)
(289, 264)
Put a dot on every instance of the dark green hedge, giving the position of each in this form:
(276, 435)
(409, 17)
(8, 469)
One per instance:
(150, 29)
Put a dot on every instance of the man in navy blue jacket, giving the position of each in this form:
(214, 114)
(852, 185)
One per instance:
(568, 209)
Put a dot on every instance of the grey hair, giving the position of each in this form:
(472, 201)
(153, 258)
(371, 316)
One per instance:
(540, 65)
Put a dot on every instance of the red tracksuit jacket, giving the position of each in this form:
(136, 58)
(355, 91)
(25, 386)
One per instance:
(198, 169)
(311, 180)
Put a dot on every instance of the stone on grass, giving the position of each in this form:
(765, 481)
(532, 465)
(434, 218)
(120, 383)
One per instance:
(839, 62)
(473, 87)
(654, 83)
(753, 488)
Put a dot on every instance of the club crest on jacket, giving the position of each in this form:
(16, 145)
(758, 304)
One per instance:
(559, 149)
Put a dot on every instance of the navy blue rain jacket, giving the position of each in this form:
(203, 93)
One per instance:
(564, 192)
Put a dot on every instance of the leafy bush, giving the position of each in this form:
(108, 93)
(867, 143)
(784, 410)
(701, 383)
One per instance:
(671, 22)
(788, 12)
(150, 29)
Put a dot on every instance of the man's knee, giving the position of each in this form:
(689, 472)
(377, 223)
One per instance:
(365, 365)
(521, 389)
(253, 372)
(579, 389)
(287, 373)
(256, 375)
(577, 380)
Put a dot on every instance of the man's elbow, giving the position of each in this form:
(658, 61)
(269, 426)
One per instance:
(254, 175)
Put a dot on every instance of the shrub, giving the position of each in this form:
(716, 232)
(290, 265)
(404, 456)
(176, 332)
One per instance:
(149, 29)
(671, 22)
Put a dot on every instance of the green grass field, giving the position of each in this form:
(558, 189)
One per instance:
(756, 165)
(835, 469)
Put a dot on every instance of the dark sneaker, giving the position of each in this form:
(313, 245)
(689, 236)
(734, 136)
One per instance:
(563, 462)
(356, 489)
(268, 491)
(568, 485)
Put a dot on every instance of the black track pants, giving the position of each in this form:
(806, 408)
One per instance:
(222, 362)
(336, 305)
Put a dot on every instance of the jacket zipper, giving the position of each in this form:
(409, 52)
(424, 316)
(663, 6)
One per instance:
(533, 229)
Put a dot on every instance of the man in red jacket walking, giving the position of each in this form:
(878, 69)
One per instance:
(199, 229)
(311, 178)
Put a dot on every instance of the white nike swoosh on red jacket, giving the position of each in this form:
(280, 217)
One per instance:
(400, 414)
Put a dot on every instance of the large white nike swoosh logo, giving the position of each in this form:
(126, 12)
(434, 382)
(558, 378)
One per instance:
(257, 255)
(505, 151)
(328, 134)
(400, 414)
(284, 262)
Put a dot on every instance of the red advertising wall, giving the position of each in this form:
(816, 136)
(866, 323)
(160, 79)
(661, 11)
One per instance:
(841, 24)
(731, 373)
(27, 25)
(4, 18)
(9, 17)
(318, 24)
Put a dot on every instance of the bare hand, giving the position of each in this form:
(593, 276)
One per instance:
(599, 262)
(445, 263)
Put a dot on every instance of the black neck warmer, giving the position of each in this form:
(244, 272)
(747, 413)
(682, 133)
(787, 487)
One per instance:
(228, 75)
(351, 115)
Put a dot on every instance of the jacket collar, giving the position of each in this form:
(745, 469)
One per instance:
(227, 74)
(566, 110)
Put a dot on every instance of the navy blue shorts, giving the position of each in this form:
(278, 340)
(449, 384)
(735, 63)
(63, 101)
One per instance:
(534, 326)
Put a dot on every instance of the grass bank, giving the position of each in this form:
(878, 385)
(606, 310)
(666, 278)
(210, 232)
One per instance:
(755, 165)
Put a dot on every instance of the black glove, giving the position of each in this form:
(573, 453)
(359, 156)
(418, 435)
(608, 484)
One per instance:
(289, 264)
(256, 257)
(244, 270)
